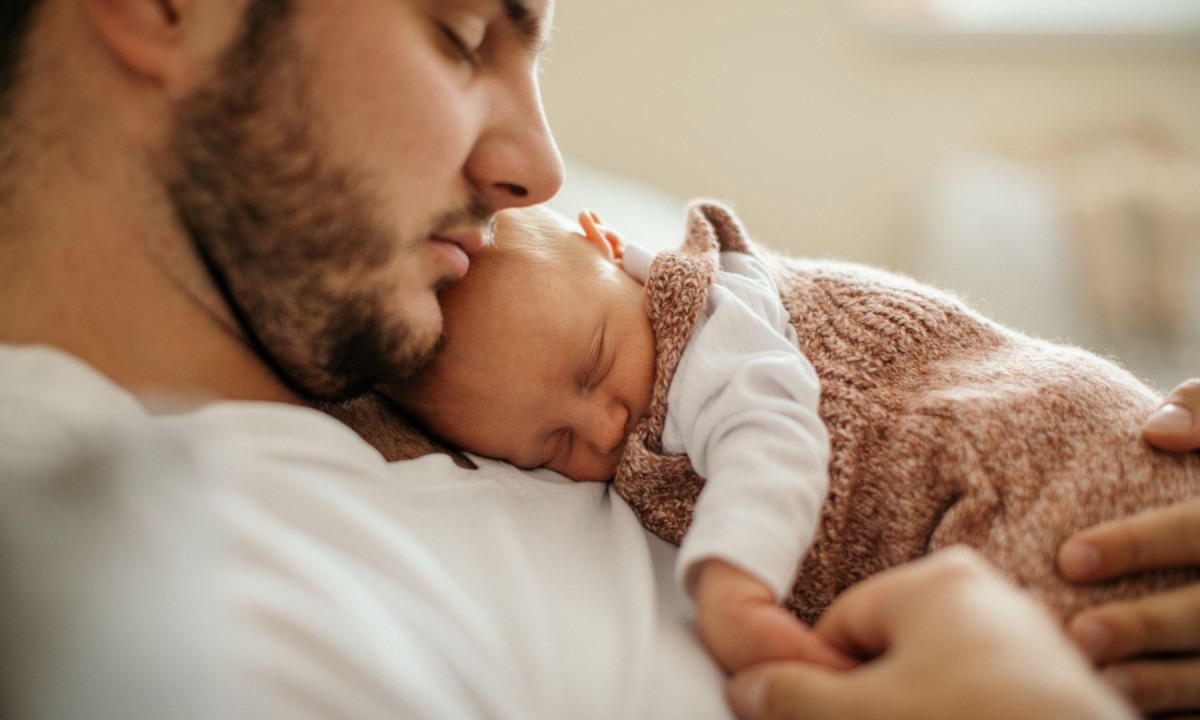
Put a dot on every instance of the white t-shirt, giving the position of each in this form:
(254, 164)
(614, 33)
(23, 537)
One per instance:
(259, 560)
(742, 406)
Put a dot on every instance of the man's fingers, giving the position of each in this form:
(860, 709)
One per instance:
(791, 691)
(1176, 425)
(1165, 622)
(801, 643)
(865, 620)
(1162, 538)
(1158, 685)
(770, 633)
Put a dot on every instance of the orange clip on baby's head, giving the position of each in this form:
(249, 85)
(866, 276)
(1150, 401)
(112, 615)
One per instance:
(606, 240)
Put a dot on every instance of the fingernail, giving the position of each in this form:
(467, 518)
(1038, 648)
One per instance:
(746, 696)
(1170, 418)
(1120, 681)
(1078, 560)
(1092, 637)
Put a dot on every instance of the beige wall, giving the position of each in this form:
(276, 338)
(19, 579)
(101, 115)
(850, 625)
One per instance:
(823, 133)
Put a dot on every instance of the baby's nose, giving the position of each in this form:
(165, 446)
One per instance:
(608, 429)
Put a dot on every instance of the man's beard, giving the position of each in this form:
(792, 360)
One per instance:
(290, 239)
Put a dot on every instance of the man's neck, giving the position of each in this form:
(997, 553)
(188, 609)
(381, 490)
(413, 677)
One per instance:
(93, 260)
(92, 277)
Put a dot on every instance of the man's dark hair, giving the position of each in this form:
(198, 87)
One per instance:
(15, 19)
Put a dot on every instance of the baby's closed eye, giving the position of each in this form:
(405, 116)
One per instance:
(592, 371)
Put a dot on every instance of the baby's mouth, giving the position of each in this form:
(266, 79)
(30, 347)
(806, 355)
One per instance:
(618, 453)
(631, 424)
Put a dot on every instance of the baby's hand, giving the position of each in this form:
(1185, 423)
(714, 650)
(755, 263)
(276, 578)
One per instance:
(742, 625)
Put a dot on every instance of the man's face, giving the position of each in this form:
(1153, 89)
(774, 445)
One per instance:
(547, 364)
(343, 161)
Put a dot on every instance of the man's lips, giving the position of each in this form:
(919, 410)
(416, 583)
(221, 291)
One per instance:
(455, 248)
(452, 255)
(470, 239)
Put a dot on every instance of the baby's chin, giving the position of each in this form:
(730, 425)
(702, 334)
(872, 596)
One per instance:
(598, 475)
(602, 470)
(594, 479)
(610, 469)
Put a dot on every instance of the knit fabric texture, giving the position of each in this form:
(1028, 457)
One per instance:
(946, 428)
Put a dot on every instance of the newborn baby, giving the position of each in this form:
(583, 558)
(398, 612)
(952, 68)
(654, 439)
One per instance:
(549, 361)
(945, 427)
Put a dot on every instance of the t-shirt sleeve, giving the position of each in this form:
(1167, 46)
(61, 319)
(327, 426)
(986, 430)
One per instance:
(743, 406)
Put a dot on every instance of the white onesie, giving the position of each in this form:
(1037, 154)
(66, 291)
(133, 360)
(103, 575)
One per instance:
(743, 407)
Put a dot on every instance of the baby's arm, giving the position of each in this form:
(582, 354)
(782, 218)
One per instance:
(743, 406)
(743, 624)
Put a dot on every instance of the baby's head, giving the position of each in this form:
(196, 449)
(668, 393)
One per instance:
(548, 358)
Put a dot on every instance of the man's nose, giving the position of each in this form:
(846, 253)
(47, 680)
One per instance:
(516, 161)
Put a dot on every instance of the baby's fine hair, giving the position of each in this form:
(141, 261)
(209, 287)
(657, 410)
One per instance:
(537, 232)
(533, 258)
(530, 242)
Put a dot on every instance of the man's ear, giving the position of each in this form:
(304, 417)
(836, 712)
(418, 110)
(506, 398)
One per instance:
(606, 240)
(145, 35)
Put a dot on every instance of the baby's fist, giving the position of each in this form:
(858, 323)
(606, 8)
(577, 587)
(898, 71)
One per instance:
(742, 625)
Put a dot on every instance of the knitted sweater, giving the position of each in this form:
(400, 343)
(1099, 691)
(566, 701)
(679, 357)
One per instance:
(946, 428)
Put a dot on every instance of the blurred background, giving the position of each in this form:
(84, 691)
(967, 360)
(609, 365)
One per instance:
(1042, 159)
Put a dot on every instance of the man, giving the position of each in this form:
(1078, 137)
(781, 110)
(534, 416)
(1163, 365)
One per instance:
(211, 165)
(258, 200)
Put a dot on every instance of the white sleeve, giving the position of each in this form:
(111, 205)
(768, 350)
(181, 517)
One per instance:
(636, 262)
(743, 406)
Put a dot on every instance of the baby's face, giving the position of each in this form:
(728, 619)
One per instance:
(547, 363)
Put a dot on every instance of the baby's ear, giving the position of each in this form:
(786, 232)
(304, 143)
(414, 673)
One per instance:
(606, 240)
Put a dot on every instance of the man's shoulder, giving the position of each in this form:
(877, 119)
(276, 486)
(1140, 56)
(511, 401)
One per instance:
(52, 403)
(40, 376)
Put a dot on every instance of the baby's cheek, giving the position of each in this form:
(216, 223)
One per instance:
(593, 470)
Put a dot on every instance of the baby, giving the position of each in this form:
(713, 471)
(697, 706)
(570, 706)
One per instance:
(549, 361)
(945, 428)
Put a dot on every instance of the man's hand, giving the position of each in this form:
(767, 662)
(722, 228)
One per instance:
(1128, 638)
(1124, 636)
(1174, 426)
(945, 637)
(741, 624)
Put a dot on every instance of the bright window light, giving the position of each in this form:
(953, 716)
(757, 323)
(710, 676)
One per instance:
(1040, 17)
